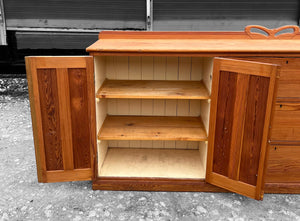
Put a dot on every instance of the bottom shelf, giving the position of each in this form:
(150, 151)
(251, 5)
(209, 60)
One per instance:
(163, 163)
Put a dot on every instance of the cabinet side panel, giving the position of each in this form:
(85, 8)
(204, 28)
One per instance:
(203, 154)
(225, 109)
(205, 113)
(102, 147)
(48, 91)
(80, 118)
(253, 130)
(100, 67)
(207, 65)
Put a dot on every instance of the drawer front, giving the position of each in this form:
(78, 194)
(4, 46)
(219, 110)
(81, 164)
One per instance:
(286, 123)
(283, 164)
(289, 81)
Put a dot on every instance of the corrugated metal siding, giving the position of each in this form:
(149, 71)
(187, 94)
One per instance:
(87, 14)
(52, 40)
(2, 26)
(223, 15)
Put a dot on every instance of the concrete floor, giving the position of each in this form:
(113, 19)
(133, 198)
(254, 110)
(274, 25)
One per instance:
(23, 198)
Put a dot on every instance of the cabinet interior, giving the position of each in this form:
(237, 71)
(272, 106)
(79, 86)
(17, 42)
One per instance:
(152, 115)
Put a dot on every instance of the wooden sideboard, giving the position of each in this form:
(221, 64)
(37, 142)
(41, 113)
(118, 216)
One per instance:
(172, 111)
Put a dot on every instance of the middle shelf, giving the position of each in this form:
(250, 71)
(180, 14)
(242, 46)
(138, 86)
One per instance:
(152, 128)
(153, 89)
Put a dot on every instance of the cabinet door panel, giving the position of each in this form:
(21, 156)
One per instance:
(62, 107)
(242, 95)
(47, 88)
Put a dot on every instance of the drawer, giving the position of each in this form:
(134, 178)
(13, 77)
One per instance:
(289, 81)
(285, 125)
(283, 164)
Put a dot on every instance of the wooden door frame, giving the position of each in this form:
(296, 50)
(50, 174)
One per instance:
(239, 66)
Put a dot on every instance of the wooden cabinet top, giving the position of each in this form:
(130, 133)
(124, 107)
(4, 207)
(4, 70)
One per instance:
(192, 43)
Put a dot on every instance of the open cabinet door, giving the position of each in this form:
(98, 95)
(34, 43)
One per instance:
(241, 103)
(62, 101)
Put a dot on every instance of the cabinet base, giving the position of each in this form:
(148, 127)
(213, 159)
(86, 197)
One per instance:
(178, 185)
(154, 184)
(282, 188)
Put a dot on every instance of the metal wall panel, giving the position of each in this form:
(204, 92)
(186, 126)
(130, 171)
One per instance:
(218, 15)
(54, 40)
(2, 25)
(75, 14)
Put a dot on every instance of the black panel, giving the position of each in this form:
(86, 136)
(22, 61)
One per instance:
(54, 40)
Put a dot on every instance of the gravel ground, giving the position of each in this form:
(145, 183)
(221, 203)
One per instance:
(23, 198)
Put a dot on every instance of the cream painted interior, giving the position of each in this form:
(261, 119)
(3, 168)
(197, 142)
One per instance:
(116, 158)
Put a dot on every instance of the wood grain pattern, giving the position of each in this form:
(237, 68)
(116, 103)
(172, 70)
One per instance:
(283, 164)
(286, 122)
(69, 175)
(272, 93)
(171, 35)
(47, 83)
(239, 121)
(154, 184)
(247, 67)
(253, 129)
(224, 122)
(178, 185)
(198, 54)
(191, 185)
(36, 117)
(272, 33)
(153, 89)
(282, 188)
(168, 163)
(160, 69)
(152, 128)
(57, 118)
(45, 62)
(80, 117)
(175, 35)
(240, 106)
(183, 43)
(235, 185)
(289, 81)
(65, 117)
(160, 184)
(91, 82)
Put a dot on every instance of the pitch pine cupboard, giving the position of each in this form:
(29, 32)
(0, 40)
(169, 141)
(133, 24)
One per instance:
(172, 111)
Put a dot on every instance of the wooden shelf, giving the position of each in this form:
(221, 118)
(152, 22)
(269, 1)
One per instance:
(149, 89)
(167, 163)
(152, 128)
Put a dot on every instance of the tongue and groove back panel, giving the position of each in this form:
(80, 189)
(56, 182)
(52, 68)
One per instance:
(156, 68)
(152, 68)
